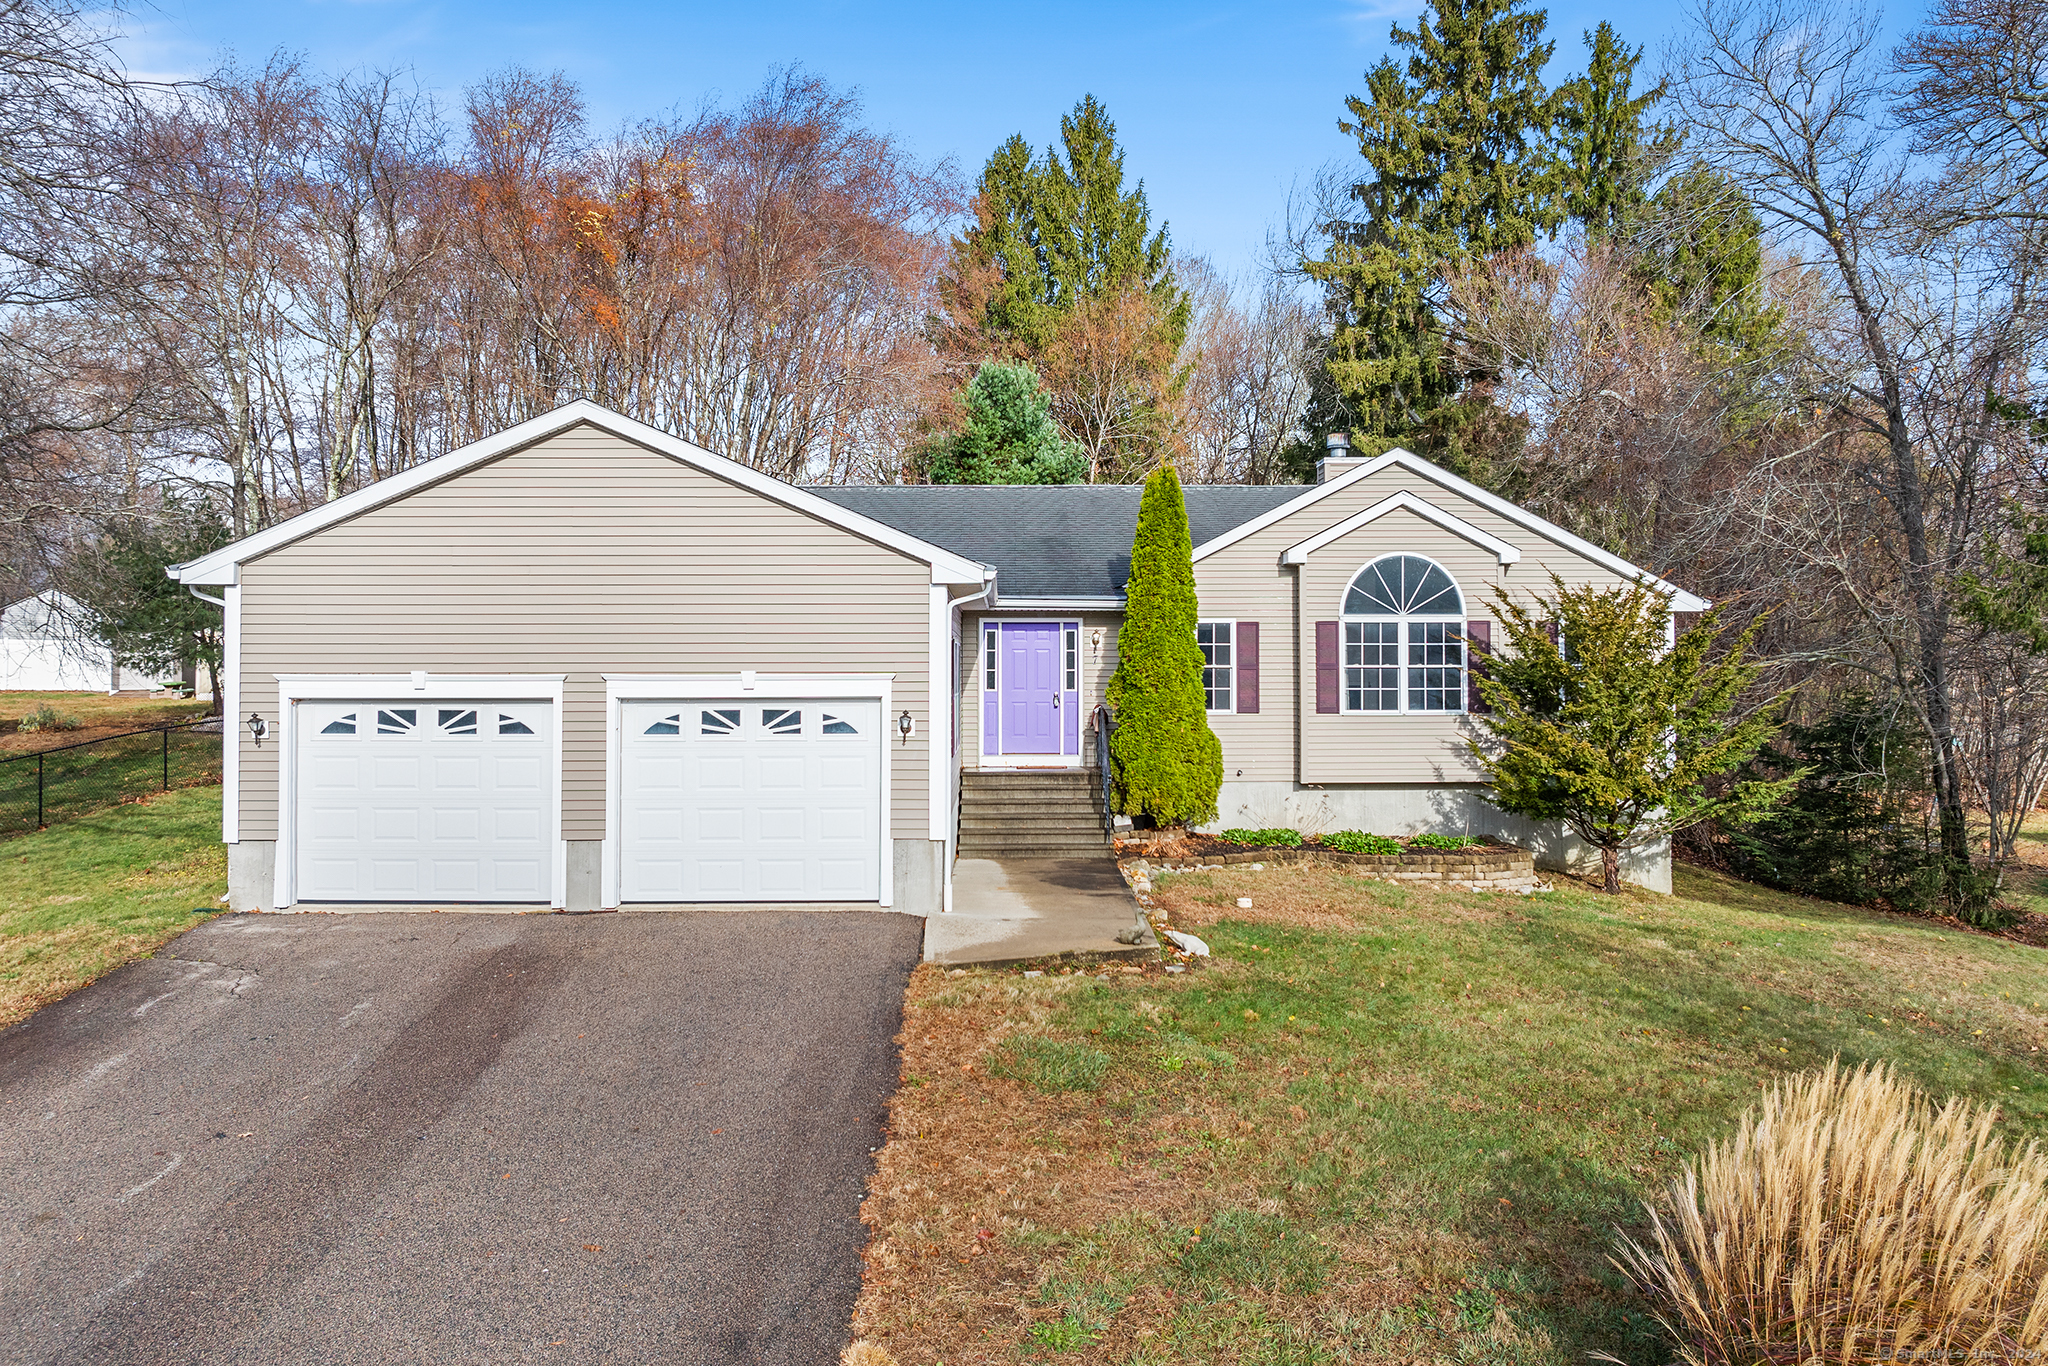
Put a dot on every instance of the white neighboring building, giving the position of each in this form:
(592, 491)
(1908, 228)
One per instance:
(43, 650)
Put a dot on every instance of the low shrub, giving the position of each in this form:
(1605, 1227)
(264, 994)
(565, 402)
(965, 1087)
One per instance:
(1286, 838)
(1445, 842)
(1050, 1064)
(47, 717)
(1848, 1213)
(1358, 842)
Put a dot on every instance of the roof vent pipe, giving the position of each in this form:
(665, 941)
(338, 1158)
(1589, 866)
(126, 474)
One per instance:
(1338, 457)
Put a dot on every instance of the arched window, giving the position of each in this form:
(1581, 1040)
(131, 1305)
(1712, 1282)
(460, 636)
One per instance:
(1404, 638)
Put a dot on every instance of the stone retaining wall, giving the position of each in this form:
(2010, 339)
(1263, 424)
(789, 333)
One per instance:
(1490, 868)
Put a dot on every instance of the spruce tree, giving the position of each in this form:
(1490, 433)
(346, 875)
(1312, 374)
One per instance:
(1702, 250)
(1168, 763)
(1051, 232)
(1457, 142)
(1009, 436)
(1608, 149)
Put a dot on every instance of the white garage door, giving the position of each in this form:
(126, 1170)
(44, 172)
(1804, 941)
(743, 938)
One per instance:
(732, 800)
(425, 801)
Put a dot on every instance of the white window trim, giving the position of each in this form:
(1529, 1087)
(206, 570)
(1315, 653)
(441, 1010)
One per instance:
(1033, 758)
(1343, 668)
(1230, 710)
(293, 689)
(1344, 619)
(622, 688)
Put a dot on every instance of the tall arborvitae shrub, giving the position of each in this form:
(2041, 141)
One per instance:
(1168, 763)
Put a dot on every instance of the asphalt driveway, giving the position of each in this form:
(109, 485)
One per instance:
(453, 1138)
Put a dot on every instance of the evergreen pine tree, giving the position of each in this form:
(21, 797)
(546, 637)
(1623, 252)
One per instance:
(1456, 142)
(1009, 436)
(1052, 231)
(1168, 763)
(1608, 150)
(1702, 248)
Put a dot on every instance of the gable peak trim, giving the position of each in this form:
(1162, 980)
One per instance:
(1503, 551)
(221, 566)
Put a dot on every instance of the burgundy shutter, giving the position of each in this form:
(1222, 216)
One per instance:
(1247, 667)
(1478, 645)
(1550, 629)
(1326, 666)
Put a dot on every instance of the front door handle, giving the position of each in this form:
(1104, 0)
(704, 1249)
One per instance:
(1055, 701)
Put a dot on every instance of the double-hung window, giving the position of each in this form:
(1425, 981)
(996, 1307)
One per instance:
(1219, 663)
(1404, 638)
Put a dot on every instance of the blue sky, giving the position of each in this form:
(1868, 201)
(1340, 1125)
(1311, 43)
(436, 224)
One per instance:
(1221, 106)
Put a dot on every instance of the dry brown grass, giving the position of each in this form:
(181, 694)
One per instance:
(98, 714)
(1848, 1219)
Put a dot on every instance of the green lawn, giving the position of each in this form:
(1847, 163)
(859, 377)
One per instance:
(1382, 1124)
(83, 897)
(39, 789)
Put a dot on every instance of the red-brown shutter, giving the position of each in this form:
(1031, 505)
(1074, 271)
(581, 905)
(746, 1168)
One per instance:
(1247, 667)
(1479, 644)
(1326, 666)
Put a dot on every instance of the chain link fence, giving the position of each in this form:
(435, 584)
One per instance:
(58, 784)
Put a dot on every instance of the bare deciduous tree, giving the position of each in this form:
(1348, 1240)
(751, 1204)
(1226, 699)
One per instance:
(1793, 102)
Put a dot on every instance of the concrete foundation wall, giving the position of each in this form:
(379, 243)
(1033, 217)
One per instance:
(583, 886)
(252, 875)
(1446, 809)
(920, 873)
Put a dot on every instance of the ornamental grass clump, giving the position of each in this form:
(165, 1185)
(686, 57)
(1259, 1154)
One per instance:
(1850, 1220)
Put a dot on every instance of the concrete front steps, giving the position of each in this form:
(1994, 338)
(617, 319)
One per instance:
(1026, 813)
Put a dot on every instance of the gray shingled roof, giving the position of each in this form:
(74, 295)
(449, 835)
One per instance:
(1047, 540)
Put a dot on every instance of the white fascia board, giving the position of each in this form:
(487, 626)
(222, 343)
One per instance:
(1098, 603)
(1403, 501)
(217, 568)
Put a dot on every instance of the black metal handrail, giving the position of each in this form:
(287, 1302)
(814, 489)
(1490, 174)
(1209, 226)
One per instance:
(1104, 724)
(41, 758)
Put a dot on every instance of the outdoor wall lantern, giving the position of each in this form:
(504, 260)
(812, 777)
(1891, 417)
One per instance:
(258, 727)
(904, 725)
(1095, 643)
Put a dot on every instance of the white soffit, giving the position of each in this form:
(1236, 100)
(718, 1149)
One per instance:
(219, 567)
(1402, 501)
(1681, 601)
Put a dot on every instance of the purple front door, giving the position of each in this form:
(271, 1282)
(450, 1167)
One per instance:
(1031, 687)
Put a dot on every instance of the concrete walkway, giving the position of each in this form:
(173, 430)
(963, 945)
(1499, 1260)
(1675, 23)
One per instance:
(1013, 910)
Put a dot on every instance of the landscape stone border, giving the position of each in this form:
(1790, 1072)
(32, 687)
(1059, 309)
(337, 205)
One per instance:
(1492, 867)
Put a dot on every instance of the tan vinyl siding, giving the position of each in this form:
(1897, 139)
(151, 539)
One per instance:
(584, 555)
(1247, 582)
(1095, 674)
